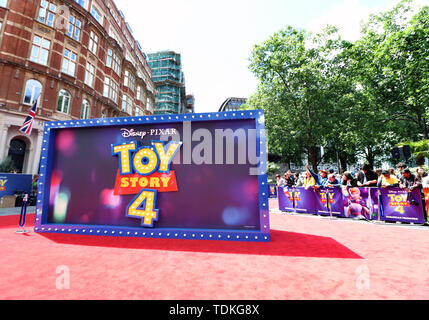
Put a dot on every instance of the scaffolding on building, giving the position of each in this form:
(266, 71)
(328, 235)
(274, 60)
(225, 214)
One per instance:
(169, 80)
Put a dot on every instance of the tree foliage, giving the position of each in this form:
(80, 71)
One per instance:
(354, 99)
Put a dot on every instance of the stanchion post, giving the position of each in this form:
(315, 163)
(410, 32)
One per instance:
(23, 216)
(293, 199)
(329, 204)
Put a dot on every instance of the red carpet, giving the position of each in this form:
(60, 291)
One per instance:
(308, 258)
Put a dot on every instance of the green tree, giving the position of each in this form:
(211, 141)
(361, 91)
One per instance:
(7, 166)
(392, 66)
(299, 87)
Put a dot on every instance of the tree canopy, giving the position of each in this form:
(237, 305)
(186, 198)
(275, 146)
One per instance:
(356, 99)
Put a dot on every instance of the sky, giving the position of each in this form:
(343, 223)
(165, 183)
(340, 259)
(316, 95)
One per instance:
(215, 38)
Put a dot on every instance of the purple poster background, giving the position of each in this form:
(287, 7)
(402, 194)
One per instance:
(329, 200)
(400, 205)
(359, 203)
(209, 197)
(305, 200)
(285, 196)
(272, 191)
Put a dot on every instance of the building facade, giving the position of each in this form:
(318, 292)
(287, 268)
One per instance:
(232, 104)
(79, 56)
(169, 80)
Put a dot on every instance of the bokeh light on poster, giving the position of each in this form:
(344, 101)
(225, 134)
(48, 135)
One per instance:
(167, 176)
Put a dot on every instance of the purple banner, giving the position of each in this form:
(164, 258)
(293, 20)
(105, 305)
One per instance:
(306, 200)
(285, 196)
(329, 201)
(272, 191)
(401, 205)
(360, 203)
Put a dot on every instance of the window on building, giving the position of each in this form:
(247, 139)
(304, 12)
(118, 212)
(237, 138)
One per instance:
(139, 93)
(69, 62)
(115, 36)
(93, 42)
(103, 114)
(110, 89)
(127, 104)
(33, 89)
(129, 80)
(40, 50)
(89, 74)
(97, 15)
(63, 104)
(84, 113)
(113, 61)
(47, 13)
(139, 112)
(75, 26)
(3, 3)
(148, 104)
(81, 3)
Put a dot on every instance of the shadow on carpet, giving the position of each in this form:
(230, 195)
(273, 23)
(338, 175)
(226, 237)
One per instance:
(282, 243)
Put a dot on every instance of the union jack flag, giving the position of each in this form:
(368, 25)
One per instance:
(27, 127)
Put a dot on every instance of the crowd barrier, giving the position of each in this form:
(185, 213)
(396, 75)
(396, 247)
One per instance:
(382, 204)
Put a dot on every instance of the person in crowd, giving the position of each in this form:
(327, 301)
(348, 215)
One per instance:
(290, 181)
(321, 178)
(333, 181)
(408, 181)
(299, 182)
(280, 181)
(296, 177)
(387, 180)
(420, 175)
(378, 172)
(393, 172)
(366, 177)
(34, 183)
(401, 166)
(355, 175)
(309, 180)
(425, 182)
(348, 180)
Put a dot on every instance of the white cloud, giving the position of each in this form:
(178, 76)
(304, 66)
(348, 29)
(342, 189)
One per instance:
(347, 16)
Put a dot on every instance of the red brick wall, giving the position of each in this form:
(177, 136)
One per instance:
(19, 26)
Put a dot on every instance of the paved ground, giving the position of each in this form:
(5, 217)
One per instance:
(309, 257)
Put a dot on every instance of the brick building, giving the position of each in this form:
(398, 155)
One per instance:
(80, 56)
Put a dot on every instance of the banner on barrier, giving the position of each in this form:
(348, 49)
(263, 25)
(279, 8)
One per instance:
(360, 203)
(401, 205)
(286, 201)
(180, 177)
(329, 201)
(272, 191)
(11, 183)
(392, 204)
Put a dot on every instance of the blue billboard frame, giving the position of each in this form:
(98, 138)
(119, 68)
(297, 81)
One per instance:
(42, 206)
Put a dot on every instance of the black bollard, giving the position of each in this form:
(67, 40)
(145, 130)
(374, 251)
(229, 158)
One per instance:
(23, 216)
